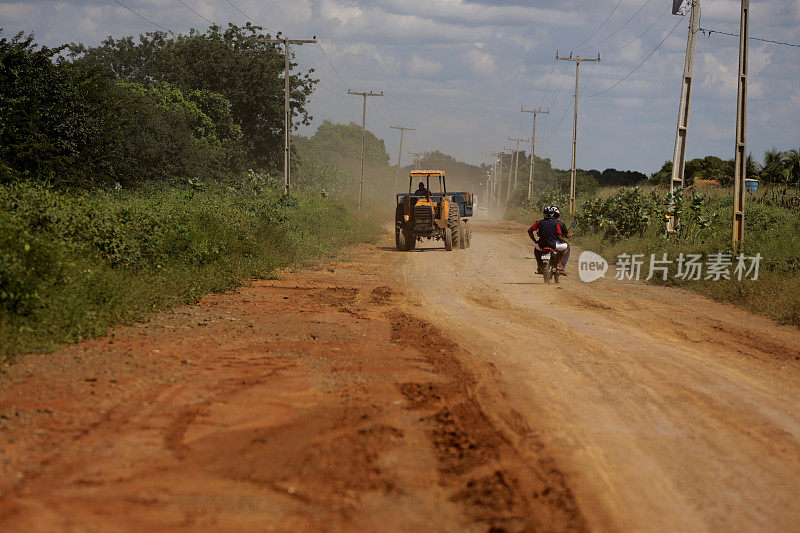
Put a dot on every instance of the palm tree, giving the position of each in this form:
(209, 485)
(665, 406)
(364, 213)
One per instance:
(753, 167)
(792, 166)
(773, 169)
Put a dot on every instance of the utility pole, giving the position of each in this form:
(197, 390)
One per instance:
(740, 161)
(416, 158)
(498, 168)
(516, 159)
(363, 140)
(287, 113)
(533, 146)
(400, 153)
(679, 155)
(510, 169)
(577, 61)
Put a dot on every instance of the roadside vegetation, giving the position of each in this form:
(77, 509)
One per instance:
(125, 181)
(633, 220)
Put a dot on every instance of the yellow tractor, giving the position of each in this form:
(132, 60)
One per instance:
(425, 214)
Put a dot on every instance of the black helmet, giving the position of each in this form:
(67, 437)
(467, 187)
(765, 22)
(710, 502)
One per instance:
(548, 212)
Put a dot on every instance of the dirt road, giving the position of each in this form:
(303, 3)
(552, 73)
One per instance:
(413, 391)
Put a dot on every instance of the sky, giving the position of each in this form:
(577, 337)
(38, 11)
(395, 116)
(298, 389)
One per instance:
(459, 70)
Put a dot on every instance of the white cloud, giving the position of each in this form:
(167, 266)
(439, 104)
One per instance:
(481, 62)
(418, 66)
(345, 14)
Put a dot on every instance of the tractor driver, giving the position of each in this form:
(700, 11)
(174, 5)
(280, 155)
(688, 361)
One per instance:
(421, 191)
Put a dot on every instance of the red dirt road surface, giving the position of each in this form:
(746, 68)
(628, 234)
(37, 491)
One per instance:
(416, 391)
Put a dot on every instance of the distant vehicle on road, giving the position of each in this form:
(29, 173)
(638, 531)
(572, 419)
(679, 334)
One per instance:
(432, 215)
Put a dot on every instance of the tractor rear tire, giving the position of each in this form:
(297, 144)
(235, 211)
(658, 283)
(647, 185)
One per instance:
(454, 224)
(448, 239)
(400, 234)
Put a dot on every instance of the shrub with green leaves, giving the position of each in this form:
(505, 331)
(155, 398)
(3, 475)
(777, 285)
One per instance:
(625, 214)
(74, 263)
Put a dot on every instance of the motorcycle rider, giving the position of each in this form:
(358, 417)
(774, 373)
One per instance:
(563, 246)
(552, 233)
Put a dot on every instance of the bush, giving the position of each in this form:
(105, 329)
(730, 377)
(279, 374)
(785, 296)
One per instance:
(73, 264)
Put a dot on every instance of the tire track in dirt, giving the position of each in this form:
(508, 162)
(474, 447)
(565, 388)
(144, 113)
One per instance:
(316, 402)
(491, 479)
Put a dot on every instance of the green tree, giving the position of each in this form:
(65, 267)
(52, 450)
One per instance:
(340, 144)
(51, 117)
(774, 170)
(792, 165)
(232, 62)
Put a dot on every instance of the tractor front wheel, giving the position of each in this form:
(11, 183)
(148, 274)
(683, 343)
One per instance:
(400, 240)
(448, 239)
(411, 241)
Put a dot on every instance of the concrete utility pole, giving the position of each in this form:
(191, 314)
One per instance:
(498, 169)
(679, 155)
(510, 169)
(740, 160)
(287, 114)
(416, 158)
(577, 61)
(516, 160)
(400, 153)
(533, 146)
(363, 140)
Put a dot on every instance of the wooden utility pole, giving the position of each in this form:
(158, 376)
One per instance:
(363, 141)
(533, 146)
(740, 160)
(287, 113)
(416, 158)
(399, 153)
(577, 61)
(679, 155)
(516, 161)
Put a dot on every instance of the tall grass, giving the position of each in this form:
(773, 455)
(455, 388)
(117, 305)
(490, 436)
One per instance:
(74, 264)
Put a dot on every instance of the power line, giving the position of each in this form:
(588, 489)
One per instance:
(601, 25)
(640, 64)
(549, 77)
(331, 90)
(389, 109)
(708, 33)
(248, 17)
(331, 64)
(586, 82)
(143, 17)
(569, 107)
(640, 35)
(558, 93)
(618, 29)
(184, 4)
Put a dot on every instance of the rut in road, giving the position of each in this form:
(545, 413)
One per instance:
(320, 401)
(664, 410)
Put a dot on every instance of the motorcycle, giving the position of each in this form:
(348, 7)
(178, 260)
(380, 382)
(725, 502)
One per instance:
(551, 258)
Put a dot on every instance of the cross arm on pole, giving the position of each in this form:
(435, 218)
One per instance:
(534, 111)
(290, 41)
